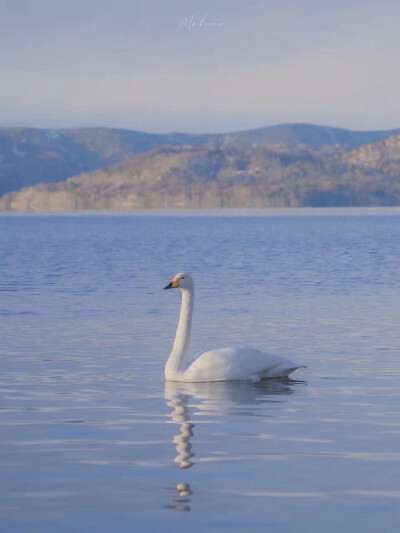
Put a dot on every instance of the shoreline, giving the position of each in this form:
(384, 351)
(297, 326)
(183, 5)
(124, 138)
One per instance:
(218, 212)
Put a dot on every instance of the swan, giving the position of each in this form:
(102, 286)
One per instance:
(223, 364)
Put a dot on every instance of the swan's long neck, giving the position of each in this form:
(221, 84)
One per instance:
(180, 351)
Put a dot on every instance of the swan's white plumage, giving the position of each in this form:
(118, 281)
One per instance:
(224, 364)
(236, 363)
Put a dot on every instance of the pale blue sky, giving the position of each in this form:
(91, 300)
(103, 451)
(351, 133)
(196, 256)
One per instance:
(124, 64)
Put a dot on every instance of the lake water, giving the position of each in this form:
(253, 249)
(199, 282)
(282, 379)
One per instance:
(92, 439)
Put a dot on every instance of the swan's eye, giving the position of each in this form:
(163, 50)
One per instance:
(183, 277)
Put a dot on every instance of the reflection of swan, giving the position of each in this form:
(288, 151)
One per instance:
(224, 364)
(215, 399)
(181, 501)
(223, 398)
(181, 416)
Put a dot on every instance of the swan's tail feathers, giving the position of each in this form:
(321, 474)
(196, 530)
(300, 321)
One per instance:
(290, 370)
(283, 372)
(279, 371)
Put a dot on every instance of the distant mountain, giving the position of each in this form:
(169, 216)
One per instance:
(312, 135)
(30, 156)
(228, 175)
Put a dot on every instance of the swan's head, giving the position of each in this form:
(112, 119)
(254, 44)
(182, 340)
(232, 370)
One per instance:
(183, 280)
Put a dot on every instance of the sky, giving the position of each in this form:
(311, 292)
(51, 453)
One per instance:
(199, 66)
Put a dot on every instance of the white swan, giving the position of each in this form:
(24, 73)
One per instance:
(223, 364)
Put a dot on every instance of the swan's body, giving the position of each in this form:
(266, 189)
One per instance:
(224, 364)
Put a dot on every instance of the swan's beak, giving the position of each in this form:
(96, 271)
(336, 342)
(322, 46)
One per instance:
(173, 285)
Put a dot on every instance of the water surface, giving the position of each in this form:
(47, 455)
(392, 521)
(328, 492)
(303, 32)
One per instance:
(92, 439)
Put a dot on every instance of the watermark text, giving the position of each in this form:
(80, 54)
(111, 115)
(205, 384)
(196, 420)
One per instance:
(191, 23)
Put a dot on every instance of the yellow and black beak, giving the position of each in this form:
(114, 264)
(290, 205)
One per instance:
(174, 284)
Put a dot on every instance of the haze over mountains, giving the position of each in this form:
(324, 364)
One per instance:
(284, 165)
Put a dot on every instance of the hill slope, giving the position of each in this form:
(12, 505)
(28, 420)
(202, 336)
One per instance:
(228, 176)
(30, 156)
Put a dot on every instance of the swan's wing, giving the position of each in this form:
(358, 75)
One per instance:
(196, 356)
(237, 362)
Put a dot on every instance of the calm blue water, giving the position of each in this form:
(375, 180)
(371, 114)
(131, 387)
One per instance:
(93, 440)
